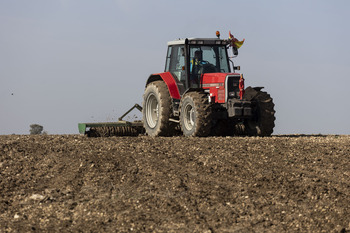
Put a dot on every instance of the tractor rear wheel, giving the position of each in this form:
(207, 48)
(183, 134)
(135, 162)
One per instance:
(157, 110)
(195, 114)
(263, 122)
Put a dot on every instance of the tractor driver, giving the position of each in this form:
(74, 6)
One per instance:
(196, 65)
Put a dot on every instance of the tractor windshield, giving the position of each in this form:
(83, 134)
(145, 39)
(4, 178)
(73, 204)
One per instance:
(207, 59)
(210, 58)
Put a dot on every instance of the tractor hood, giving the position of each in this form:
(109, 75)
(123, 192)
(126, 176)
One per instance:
(209, 79)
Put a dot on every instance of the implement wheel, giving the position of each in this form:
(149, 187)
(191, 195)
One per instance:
(157, 110)
(195, 114)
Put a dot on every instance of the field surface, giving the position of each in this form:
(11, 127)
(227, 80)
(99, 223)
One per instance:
(217, 184)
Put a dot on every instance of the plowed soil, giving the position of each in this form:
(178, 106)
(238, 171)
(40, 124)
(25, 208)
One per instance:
(217, 184)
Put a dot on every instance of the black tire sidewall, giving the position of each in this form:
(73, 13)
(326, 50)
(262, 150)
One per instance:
(264, 118)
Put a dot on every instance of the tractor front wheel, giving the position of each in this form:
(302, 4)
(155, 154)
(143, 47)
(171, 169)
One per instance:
(195, 114)
(157, 110)
(263, 121)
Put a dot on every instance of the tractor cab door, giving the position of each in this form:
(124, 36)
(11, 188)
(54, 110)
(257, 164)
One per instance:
(175, 64)
(206, 59)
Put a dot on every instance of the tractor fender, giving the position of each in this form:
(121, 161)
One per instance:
(169, 81)
(253, 91)
(258, 88)
(191, 90)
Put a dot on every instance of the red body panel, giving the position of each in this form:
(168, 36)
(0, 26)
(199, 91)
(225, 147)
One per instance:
(215, 82)
(171, 83)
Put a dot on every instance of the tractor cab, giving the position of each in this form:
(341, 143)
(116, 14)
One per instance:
(188, 59)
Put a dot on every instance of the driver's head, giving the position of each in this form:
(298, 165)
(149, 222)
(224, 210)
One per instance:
(198, 55)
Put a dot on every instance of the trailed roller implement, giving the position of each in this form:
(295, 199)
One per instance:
(108, 129)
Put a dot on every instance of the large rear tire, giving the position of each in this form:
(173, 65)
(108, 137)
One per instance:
(157, 110)
(195, 114)
(263, 122)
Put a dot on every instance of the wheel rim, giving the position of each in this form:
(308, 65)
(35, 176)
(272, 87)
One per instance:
(152, 110)
(189, 117)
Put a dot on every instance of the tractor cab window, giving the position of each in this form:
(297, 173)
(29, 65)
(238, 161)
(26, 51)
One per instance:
(207, 59)
(175, 62)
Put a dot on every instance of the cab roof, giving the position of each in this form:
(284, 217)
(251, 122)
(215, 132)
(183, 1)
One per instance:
(199, 41)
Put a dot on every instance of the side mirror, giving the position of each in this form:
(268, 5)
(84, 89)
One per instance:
(235, 50)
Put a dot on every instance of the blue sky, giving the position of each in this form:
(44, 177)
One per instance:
(70, 61)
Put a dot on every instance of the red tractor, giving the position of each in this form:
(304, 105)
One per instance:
(200, 94)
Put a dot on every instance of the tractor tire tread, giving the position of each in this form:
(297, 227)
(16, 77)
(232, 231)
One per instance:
(203, 113)
(266, 114)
